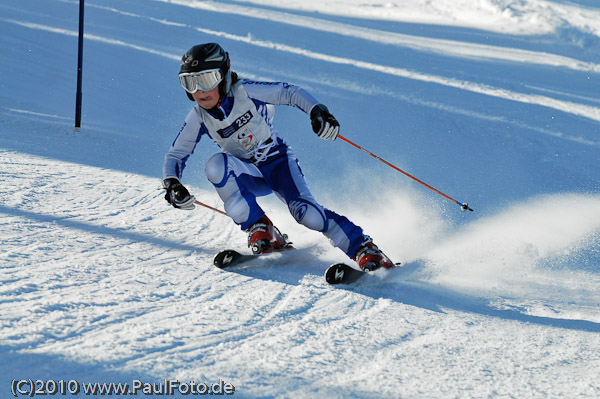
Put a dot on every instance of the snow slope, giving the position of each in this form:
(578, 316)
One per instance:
(492, 102)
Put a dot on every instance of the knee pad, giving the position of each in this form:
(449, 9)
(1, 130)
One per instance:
(216, 169)
(309, 214)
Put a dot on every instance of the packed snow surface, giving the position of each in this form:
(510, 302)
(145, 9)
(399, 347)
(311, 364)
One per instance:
(492, 102)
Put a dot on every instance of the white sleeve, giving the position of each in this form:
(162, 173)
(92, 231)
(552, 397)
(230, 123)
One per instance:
(280, 93)
(184, 145)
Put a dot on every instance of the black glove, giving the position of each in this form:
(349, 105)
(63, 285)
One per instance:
(323, 123)
(177, 195)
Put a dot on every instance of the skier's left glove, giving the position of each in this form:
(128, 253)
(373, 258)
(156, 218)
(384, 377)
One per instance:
(323, 123)
(177, 195)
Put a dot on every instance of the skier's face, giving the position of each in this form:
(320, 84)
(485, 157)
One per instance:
(207, 99)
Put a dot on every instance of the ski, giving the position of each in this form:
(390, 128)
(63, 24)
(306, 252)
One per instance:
(338, 273)
(231, 257)
(341, 273)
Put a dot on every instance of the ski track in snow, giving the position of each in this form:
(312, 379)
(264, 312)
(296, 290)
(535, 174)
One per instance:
(512, 17)
(442, 46)
(447, 47)
(98, 271)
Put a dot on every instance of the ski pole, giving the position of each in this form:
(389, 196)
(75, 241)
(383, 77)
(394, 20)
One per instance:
(210, 207)
(463, 206)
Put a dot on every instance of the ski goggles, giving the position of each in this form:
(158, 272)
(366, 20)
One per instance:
(204, 80)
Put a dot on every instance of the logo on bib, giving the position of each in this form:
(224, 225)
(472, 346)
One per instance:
(245, 138)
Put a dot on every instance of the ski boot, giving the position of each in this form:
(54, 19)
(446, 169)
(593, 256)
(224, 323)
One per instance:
(263, 237)
(370, 258)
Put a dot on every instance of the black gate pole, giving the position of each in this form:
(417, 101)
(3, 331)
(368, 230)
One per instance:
(79, 70)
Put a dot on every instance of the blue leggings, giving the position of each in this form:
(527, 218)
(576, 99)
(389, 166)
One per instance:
(239, 182)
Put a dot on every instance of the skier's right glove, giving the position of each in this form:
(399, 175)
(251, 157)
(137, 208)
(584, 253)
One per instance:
(323, 123)
(177, 195)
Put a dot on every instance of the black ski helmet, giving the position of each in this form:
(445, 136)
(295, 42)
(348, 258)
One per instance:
(208, 56)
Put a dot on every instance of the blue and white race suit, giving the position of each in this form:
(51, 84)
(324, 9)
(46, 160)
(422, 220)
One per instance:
(256, 161)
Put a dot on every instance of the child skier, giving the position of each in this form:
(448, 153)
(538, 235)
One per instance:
(254, 160)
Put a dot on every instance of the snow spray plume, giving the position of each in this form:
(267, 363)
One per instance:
(463, 206)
